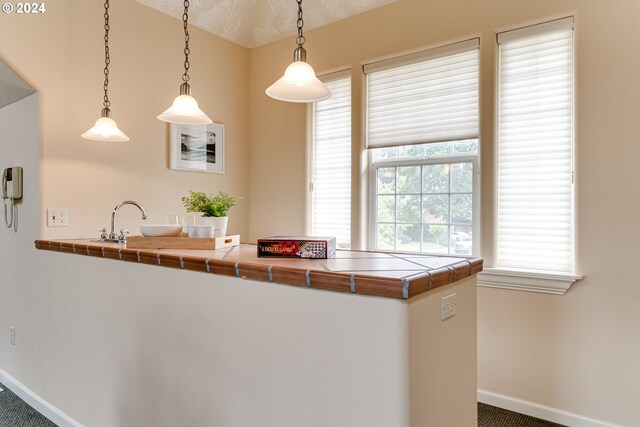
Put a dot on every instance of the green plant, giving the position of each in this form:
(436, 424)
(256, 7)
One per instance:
(217, 205)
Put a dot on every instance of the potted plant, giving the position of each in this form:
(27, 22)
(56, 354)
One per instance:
(214, 209)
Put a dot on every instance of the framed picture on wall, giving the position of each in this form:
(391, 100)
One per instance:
(197, 147)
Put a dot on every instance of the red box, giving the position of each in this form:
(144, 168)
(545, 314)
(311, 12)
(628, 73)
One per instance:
(297, 247)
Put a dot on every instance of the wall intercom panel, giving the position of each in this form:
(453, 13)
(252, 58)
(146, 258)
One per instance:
(12, 190)
(12, 183)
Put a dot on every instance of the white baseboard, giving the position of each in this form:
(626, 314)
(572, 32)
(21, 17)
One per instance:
(539, 411)
(36, 402)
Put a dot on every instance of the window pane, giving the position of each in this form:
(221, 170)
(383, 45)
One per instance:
(386, 180)
(381, 154)
(408, 237)
(408, 209)
(461, 208)
(431, 150)
(437, 220)
(411, 151)
(435, 209)
(385, 236)
(461, 241)
(469, 146)
(435, 239)
(435, 178)
(386, 208)
(439, 149)
(408, 180)
(461, 178)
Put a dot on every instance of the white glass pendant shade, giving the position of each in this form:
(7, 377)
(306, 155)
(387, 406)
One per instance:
(185, 110)
(105, 129)
(299, 84)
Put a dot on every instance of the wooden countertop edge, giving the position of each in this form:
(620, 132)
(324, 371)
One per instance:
(362, 284)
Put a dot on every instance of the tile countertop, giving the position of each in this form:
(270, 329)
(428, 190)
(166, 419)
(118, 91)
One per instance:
(390, 275)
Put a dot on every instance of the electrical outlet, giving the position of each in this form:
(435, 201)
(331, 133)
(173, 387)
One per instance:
(448, 307)
(12, 335)
(57, 217)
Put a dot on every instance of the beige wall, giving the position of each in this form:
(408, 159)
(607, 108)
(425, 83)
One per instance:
(60, 53)
(442, 358)
(578, 352)
(19, 134)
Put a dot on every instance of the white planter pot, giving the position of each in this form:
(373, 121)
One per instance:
(220, 224)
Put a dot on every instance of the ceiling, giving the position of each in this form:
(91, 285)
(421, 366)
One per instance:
(12, 87)
(252, 23)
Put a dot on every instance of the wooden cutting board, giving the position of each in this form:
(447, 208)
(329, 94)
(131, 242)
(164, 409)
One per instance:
(141, 242)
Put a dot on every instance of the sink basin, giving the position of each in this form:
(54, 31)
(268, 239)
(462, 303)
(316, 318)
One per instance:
(160, 230)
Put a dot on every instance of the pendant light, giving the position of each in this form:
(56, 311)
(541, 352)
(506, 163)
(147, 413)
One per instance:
(106, 128)
(299, 83)
(184, 109)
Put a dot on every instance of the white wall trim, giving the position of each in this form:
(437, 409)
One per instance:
(539, 411)
(39, 404)
(547, 283)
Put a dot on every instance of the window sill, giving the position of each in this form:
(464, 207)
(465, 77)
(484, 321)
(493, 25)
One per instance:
(546, 283)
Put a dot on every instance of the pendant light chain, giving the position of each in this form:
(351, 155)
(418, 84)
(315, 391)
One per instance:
(300, 23)
(105, 128)
(299, 82)
(107, 58)
(187, 51)
(184, 109)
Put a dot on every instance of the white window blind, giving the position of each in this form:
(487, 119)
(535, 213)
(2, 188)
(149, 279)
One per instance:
(430, 96)
(331, 162)
(535, 148)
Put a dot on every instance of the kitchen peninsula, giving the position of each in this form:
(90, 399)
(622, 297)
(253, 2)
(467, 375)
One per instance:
(372, 351)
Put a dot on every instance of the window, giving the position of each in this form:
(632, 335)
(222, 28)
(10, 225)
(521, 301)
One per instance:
(535, 207)
(422, 129)
(424, 197)
(330, 186)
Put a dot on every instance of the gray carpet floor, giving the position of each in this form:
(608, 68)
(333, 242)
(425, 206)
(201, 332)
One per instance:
(490, 416)
(14, 412)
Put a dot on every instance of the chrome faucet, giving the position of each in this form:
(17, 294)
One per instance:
(122, 236)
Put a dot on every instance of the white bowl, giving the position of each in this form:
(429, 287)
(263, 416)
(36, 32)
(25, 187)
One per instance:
(160, 230)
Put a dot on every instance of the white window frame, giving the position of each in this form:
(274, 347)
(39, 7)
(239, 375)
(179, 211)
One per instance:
(419, 161)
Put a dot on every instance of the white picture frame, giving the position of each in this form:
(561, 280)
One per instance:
(197, 147)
